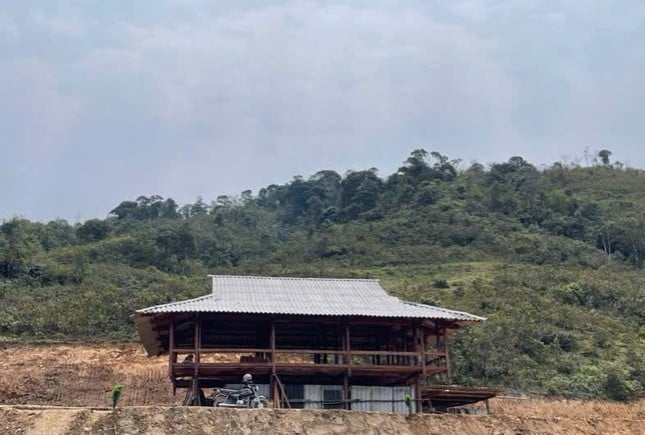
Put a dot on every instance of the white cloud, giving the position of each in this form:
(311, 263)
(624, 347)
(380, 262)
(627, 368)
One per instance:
(67, 21)
(314, 69)
(8, 26)
(213, 98)
(35, 92)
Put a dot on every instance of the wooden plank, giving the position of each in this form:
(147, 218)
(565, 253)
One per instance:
(183, 369)
(382, 352)
(234, 350)
(445, 396)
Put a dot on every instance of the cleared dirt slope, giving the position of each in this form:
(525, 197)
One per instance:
(173, 420)
(61, 389)
(82, 375)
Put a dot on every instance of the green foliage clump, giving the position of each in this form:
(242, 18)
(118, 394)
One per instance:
(407, 400)
(116, 394)
(441, 283)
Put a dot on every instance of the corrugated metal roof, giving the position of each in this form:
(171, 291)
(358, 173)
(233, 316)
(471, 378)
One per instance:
(305, 296)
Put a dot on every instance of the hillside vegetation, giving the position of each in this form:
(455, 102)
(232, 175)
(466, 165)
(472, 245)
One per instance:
(553, 257)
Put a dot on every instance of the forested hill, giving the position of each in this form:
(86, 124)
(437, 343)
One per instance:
(553, 257)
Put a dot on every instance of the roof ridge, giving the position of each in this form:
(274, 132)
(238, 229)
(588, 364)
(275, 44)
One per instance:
(295, 278)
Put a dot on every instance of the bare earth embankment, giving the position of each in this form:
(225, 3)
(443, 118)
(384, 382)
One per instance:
(60, 389)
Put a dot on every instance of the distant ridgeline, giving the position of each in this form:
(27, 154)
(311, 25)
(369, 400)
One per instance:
(553, 257)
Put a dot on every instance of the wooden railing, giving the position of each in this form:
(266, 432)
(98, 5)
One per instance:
(327, 357)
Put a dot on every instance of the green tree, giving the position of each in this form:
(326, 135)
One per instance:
(93, 230)
(603, 155)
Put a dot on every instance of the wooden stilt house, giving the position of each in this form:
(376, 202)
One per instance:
(309, 342)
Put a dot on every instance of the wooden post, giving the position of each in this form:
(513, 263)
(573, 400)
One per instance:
(424, 349)
(348, 360)
(346, 391)
(272, 344)
(197, 341)
(172, 356)
(417, 394)
(273, 384)
(197, 349)
(348, 350)
(420, 348)
(376, 360)
(275, 393)
(445, 349)
(339, 358)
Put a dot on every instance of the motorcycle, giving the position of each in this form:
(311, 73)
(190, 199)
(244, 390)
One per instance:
(246, 397)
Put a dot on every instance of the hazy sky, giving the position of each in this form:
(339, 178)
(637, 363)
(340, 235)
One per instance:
(104, 101)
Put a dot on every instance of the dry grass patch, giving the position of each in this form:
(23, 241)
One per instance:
(563, 408)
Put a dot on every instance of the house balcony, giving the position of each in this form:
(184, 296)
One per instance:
(216, 367)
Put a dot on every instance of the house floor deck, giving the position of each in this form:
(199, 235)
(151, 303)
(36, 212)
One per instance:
(217, 374)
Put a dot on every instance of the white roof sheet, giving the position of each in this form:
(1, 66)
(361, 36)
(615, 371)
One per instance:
(305, 296)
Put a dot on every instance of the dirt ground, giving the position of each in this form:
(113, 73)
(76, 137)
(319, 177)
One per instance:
(65, 389)
(82, 375)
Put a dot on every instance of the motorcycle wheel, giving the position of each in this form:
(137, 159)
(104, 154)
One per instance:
(219, 399)
(259, 403)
